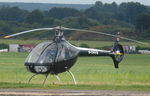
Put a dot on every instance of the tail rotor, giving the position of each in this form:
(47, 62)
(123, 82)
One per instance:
(117, 52)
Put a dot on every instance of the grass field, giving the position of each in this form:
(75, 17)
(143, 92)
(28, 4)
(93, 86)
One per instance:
(91, 73)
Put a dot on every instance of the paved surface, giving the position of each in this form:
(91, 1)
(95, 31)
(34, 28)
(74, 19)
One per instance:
(47, 92)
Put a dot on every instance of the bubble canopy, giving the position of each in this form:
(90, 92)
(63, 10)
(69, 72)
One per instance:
(42, 54)
(44, 57)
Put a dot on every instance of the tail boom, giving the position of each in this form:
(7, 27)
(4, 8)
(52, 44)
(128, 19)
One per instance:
(116, 53)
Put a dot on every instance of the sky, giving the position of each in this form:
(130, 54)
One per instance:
(145, 2)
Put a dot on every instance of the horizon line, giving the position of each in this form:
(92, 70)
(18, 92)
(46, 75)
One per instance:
(71, 3)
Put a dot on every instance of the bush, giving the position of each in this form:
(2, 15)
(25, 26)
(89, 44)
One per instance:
(84, 45)
(106, 47)
(142, 48)
(4, 46)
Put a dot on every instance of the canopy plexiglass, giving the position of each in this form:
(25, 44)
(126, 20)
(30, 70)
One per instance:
(48, 53)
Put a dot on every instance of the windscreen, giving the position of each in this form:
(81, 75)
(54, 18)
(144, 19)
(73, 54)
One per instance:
(44, 53)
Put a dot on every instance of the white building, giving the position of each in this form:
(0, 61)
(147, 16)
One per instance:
(13, 47)
(144, 51)
(21, 48)
(129, 49)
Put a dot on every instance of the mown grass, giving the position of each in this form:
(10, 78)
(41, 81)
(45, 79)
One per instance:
(77, 87)
(91, 73)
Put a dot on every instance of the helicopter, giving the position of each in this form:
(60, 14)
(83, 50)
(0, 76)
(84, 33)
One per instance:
(58, 56)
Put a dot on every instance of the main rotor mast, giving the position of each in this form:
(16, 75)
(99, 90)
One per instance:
(59, 33)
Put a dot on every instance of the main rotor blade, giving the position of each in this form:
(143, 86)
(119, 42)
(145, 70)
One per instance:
(28, 31)
(65, 28)
(134, 40)
(105, 34)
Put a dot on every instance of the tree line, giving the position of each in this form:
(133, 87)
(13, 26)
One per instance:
(132, 18)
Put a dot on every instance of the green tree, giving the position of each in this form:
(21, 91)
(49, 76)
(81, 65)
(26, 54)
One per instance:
(48, 21)
(129, 11)
(110, 7)
(143, 22)
(12, 14)
(35, 16)
(61, 13)
(98, 5)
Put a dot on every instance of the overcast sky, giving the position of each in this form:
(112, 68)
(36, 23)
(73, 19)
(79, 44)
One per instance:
(145, 2)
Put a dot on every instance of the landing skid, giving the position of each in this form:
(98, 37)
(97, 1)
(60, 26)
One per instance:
(57, 77)
(45, 78)
(74, 79)
(31, 78)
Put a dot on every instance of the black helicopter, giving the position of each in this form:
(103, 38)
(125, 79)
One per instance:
(57, 56)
